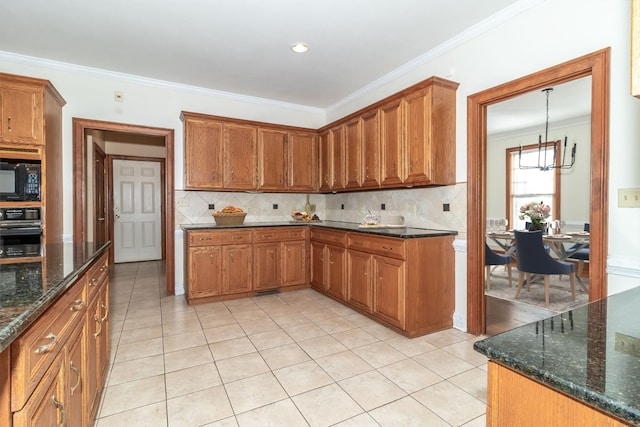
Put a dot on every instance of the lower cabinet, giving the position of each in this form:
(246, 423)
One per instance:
(359, 280)
(59, 364)
(231, 263)
(328, 262)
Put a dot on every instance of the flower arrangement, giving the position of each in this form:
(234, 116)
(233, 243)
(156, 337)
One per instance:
(537, 212)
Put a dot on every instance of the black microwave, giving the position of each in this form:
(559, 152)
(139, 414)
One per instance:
(19, 181)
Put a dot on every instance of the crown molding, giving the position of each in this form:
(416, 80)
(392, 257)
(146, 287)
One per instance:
(463, 37)
(145, 81)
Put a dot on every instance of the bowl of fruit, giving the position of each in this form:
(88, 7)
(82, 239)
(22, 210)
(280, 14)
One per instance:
(303, 216)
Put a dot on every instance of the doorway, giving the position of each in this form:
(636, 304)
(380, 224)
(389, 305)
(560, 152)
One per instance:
(137, 209)
(82, 185)
(595, 65)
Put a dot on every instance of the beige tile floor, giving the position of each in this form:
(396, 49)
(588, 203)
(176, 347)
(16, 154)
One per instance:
(290, 359)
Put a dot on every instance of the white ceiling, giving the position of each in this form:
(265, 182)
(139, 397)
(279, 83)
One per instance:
(243, 46)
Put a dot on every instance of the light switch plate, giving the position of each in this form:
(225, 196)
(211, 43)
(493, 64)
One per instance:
(629, 197)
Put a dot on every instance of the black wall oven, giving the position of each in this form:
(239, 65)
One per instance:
(20, 232)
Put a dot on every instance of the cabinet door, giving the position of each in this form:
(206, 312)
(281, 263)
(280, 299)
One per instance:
(102, 353)
(335, 271)
(91, 332)
(266, 265)
(359, 279)
(317, 265)
(76, 371)
(203, 154)
(388, 290)
(303, 161)
(240, 157)
(371, 149)
(353, 145)
(47, 405)
(338, 157)
(22, 114)
(418, 138)
(272, 155)
(294, 263)
(236, 268)
(326, 162)
(205, 268)
(392, 143)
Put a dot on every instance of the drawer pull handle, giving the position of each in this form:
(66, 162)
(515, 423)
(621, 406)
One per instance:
(60, 407)
(389, 248)
(106, 313)
(9, 123)
(44, 348)
(99, 331)
(103, 268)
(77, 305)
(93, 282)
(75, 369)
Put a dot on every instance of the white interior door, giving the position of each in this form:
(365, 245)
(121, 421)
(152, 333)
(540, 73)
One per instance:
(136, 211)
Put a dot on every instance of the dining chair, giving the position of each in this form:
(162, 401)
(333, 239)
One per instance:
(581, 255)
(534, 259)
(492, 258)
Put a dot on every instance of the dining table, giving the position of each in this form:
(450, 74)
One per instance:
(562, 245)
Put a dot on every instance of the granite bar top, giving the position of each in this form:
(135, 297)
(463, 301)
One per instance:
(591, 353)
(27, 289)
(401, 232)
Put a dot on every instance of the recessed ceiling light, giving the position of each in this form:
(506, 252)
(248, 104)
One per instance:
(299, 47)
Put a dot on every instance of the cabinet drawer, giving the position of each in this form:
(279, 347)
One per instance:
(33, 352)
(336, 238)
(279, 234)
(96, 275)
(393, 248)
(218, 237)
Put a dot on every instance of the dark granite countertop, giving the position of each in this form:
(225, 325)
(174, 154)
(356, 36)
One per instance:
(591, 353)
(401, 232)
(27, 289)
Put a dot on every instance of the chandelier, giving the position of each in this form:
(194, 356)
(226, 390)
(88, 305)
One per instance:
(545, 164)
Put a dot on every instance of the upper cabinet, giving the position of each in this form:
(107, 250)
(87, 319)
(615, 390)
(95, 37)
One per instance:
(407, 139)
(239, 155)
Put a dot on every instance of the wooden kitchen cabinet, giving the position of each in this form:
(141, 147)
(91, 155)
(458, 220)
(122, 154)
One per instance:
(430, 135)
(217, 263)
(392, 143)
(353, 153)
(58, 365)
(328, 262)
(359, 280)
(240, 166)
(371, 149)
(280, 257)
(26, 106)
(325, 160)
(338, 158)
(203, 154)
(272, 159)
(389, 290)
(302, 162)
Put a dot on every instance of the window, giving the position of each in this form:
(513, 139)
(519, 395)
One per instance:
(525, 185)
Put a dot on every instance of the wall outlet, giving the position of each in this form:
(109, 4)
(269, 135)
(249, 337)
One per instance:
(212, 206)
(383, 206)
(629, 197)
(118, 96)
(183, 203)
(275, 206)
(446, 207)
(342, 206)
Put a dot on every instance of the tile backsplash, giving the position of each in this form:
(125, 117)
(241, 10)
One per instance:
(421, 207)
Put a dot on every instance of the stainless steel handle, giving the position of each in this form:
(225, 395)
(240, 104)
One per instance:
(77, 305)
(44, 348)
(60, 407)
(75, 369)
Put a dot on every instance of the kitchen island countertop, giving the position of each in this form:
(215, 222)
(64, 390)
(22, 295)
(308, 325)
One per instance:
(590, 353)
(400, 232)
(27, 289)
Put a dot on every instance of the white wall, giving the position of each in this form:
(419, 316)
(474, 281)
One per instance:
(542, 35)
